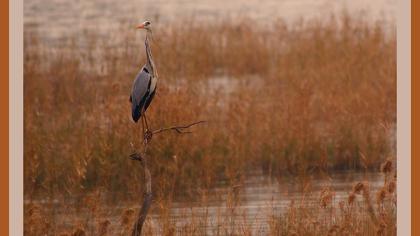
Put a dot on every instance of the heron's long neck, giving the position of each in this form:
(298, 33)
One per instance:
(150, 64)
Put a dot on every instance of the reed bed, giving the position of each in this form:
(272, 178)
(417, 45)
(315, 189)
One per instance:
(313, 97)
(363, 211)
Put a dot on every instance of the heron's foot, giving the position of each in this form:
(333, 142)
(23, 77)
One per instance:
(148, 136)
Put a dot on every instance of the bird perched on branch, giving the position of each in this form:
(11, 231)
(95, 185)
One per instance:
(144, 85)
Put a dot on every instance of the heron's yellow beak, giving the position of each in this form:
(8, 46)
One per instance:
(141, 26)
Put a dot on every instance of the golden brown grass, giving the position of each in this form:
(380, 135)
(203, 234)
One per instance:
(359, 214)
(310, 97)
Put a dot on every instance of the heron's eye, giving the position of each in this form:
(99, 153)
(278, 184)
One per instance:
(147, 23)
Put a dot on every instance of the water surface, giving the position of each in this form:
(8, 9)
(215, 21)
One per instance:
(258, 198)
(59, 19)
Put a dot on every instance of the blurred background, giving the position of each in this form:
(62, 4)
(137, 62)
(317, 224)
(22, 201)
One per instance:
(58, 20)
(300, 99)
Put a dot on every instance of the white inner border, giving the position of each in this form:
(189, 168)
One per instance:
(404, 117)
(16, 117)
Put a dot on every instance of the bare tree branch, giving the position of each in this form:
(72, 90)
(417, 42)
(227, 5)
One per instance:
(178, 129)
(147, 200)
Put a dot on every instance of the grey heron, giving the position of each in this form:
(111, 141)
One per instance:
(144, 85)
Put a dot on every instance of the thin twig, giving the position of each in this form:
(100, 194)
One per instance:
(178, 129)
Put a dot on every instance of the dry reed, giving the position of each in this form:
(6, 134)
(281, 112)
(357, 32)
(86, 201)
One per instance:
(287, 99)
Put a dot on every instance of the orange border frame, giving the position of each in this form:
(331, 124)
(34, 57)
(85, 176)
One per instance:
(4, 118)
(415, 162)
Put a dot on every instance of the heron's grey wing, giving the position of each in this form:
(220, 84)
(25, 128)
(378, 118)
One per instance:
(140, 86)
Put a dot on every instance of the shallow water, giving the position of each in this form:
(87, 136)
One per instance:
(254, 202)
(250, 205)
(59, 19)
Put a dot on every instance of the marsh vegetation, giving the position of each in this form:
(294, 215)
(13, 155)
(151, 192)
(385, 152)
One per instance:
(288, 101)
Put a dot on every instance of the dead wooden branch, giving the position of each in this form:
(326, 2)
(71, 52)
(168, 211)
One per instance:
(147, 201)
(178, 129)
(142, 158)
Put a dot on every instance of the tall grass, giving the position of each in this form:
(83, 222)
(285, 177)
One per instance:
(298, 99)
(363, 211)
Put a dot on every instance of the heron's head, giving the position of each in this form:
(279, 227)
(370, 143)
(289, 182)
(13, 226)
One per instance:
(145, 25)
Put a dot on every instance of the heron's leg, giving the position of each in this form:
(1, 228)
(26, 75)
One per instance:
(142, 124)
(147, 134)
(145, 119)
